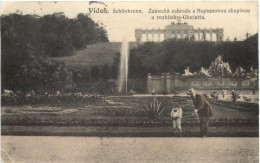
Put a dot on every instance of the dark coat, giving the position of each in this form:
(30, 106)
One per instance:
(202, 105)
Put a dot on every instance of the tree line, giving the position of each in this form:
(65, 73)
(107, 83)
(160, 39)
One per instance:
(52, 35)
(175, 55)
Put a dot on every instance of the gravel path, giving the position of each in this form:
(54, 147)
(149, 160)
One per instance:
(93, 149)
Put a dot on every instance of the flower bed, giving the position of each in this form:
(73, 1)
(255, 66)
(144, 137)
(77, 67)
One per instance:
(123, 122)
(254, 107)
(56, 99)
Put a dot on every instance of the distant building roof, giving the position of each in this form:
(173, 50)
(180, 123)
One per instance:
(179, 26)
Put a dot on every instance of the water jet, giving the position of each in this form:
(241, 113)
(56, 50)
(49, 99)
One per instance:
(123, 69)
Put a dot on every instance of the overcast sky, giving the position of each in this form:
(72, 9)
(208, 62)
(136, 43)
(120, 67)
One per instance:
(123, 25)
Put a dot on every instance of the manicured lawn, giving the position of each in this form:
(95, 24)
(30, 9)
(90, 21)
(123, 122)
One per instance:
(94, 55)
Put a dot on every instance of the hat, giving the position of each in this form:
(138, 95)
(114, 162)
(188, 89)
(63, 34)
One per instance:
(191, 91)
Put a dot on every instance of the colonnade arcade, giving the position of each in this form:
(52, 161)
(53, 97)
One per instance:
(179, 30)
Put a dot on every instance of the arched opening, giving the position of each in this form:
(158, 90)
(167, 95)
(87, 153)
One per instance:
(156, 38)
(185, 36)
(150, 37)
(196, 37)
(144, 38)
(214, 37)
(161, 38)
(207, 36)
(172, 35)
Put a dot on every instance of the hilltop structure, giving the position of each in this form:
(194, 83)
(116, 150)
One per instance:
(179, 30)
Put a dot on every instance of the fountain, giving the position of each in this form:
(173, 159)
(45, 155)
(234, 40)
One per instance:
(123, 71)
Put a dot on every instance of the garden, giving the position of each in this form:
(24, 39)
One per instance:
(83, 109)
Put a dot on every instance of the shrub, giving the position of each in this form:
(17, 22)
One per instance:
(8, 110)
(58, 98)
(214, 95)
(234, 96)
(164, 92)
(155, 109)
(247, 99)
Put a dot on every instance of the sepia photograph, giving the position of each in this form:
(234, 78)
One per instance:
(129, 81)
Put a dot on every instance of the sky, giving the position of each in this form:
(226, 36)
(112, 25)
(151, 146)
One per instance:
(123, 25)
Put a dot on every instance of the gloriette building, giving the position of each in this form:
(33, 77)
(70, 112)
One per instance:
(179, 30)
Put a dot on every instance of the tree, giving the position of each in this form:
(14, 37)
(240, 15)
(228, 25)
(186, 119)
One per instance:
(77, 34)
(102, 34)
(235, 96)
(94, 72)
(105, 72)
(240, 53)
(56, 35)
(91, 32)
(114, 70)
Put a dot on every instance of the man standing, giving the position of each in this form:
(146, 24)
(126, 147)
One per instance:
(203, 109)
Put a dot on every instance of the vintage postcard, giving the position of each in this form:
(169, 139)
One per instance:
(138, 81)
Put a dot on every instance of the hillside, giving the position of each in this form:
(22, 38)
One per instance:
(96, 54)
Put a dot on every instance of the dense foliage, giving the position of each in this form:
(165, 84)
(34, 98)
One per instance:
(242, 53)
(175, 55)
(28, 41)
(52, 35)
